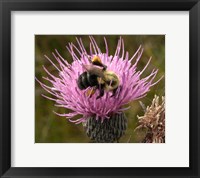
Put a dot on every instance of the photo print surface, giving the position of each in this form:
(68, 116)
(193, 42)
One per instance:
(100, 89)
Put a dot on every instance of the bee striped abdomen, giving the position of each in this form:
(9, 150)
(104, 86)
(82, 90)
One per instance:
(82, 81)
(92, 79)
(86, 80)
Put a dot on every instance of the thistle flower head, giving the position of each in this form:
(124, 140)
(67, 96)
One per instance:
(66, 93)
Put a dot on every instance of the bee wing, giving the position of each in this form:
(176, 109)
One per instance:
(94, 70)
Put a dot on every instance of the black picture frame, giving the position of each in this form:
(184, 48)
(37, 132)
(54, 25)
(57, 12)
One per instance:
(7, 6)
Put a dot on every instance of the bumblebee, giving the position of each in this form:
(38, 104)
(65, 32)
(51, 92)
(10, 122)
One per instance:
(98, 78)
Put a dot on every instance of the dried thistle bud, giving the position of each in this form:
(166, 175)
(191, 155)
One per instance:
(153, 121)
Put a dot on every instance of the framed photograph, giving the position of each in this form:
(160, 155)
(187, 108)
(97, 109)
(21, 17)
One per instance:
(101, 89)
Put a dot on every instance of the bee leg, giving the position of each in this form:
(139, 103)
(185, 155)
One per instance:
(104, 67)
(101, 92)
(114, 92)
(91, 92)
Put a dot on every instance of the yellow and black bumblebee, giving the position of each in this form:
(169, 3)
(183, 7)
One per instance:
(98, 78)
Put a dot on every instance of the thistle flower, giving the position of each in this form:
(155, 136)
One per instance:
(154, 121)
(66, 93)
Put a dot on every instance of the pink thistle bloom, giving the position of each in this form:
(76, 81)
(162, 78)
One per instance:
(66, 93)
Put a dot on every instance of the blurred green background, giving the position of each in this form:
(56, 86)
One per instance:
(50, 128)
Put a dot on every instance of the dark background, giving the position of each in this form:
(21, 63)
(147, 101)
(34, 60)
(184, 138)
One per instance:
(50, 128)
